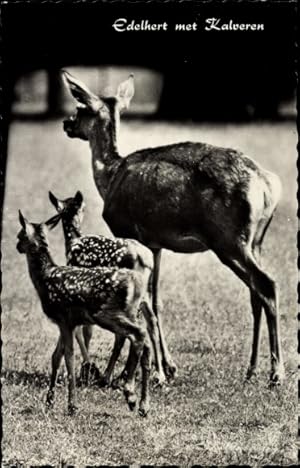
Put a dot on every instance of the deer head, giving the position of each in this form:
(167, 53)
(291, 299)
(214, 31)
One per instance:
(31, 237)
(71, 209)
(93, 109)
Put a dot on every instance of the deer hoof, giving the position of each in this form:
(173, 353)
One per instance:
(170, 370)
(158, 379)
(251, 374)
(50, 399)
(130, 396)
(144, 409)
(89, 374)
(103, 381)
(72, 409)
(276, 379)
(131, 401)
(118, 383)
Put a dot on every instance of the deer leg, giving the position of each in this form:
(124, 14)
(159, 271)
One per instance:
(56, 360)
(137, 338)
(168, 364)
(145, 363)
(87, 335)
(89, 373)
(256, 304)
(67, 336)
(256, 310)
(152, 327)
(118, 345)
(81, 341)
(245, 266)
(119, 382)
(122, 323)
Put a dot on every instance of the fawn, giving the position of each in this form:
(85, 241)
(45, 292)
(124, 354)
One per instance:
(95, 250)
(187, 197)
(74, 296)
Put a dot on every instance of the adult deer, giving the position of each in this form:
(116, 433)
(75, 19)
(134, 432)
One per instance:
(186, 197)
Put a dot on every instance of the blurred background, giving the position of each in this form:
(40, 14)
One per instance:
(41, 93)
(196, 75)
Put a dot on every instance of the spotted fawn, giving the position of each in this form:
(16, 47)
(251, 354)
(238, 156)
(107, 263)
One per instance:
(74, 296)
(93, 251)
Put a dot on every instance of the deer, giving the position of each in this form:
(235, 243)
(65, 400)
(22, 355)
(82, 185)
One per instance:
(92, 251)
(75, 296)
(186, 197)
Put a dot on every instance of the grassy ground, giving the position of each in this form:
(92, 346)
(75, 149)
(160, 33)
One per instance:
(207, 415)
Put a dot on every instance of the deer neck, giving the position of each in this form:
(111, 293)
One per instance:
(105, 155)
(39, 261)
(71, 232)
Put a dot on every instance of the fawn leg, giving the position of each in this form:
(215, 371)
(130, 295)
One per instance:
(119, 382)
(152, 328)
(118, 345)
(122, 322)
(87, 335)
(168, 364)
(67, 336)
(89, 372)
(81, 341)
(145, 363)
(137, 338)
(56, 360)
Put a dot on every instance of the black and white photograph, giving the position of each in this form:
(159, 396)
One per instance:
(149, 233)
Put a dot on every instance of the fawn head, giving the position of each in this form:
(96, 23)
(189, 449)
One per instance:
(92, 109)
(32, 236)
(71, 209)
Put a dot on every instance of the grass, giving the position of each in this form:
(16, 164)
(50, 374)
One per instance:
(207, 415)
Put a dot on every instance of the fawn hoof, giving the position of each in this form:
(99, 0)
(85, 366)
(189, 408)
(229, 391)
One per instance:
(103, 381)
(251, 374)
(276, 378)
(170, 369)
(89, 374)
(130, 396)
(119, 383)
(72, 409)
(50, 399)
(144, 409)
(131, 401)
(158, 379)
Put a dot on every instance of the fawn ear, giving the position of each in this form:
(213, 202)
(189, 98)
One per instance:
(26, 225)
(78, 197)
(81, 92)
(56, 202)
(22, 220)
(125, 92)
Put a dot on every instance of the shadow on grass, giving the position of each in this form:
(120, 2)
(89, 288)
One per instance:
(41, 380)
(16, 377)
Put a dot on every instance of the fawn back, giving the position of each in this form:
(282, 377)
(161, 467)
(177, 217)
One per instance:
(76, 294)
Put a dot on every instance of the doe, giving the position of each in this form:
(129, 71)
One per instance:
(74, 296)
(186, 197)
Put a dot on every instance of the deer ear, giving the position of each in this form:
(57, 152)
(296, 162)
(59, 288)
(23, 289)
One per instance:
(81, 92)
(26, 225)
(125, 92)
(56, 202)
(78, 197)
(22, 220)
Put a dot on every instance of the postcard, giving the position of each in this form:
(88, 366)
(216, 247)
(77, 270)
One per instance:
(149, 226)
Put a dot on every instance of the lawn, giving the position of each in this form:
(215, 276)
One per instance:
(207, 415)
